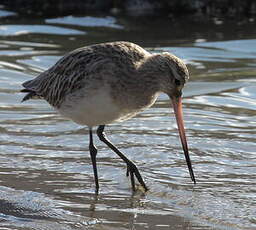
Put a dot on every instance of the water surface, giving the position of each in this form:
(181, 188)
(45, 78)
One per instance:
(46, 178)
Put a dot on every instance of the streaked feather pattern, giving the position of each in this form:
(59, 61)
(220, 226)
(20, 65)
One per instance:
(74, 70)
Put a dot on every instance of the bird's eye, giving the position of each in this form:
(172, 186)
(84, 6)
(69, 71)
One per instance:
(177, 82)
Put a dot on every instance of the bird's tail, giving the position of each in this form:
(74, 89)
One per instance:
(30, 94)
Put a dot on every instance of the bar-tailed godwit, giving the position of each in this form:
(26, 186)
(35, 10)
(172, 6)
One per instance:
(110, 82)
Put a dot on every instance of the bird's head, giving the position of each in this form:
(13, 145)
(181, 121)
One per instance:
(172, 73)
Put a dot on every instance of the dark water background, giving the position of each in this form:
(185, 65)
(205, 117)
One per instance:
(46, 179)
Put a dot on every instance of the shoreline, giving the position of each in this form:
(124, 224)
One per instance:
(194, 8)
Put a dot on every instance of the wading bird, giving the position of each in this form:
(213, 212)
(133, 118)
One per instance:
(111, 82)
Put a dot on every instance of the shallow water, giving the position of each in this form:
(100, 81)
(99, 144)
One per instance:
(46, 178)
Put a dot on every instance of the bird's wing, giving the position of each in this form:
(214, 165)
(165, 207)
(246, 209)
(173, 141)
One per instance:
(66, 75)
(73, 70)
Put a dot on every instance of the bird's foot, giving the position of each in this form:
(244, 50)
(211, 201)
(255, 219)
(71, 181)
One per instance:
(133, 170)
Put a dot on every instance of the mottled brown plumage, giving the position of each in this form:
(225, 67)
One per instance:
(103, 83)
(118, 63)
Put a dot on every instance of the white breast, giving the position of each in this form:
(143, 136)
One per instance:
(93, 108)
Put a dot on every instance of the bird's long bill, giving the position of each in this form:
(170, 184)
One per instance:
(177, 106)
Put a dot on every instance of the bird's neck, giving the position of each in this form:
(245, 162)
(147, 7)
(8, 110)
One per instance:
(152, 73)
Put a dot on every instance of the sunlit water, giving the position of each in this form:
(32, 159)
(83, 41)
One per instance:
(46, 179)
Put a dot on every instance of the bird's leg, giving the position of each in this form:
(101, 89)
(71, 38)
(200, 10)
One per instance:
(93, 153)
(131, 167)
